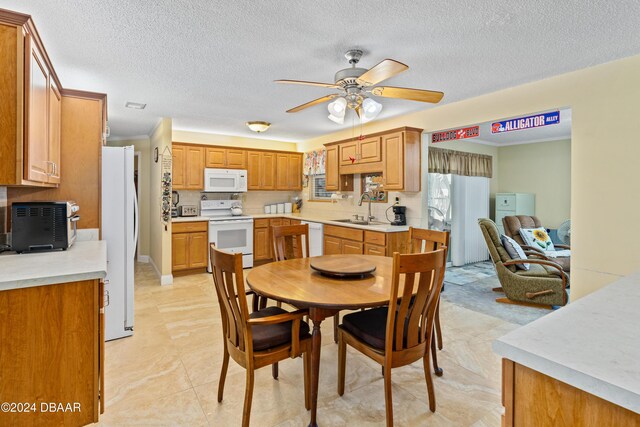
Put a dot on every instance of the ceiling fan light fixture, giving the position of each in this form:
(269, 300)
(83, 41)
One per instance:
(370, 110)
(258, 126)
(338, 108)
(339, 120)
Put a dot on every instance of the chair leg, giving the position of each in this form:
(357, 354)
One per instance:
(248, 396)
(223, 373)
(306, 361)
(436, 369)
(274, 371)
(438, 327)
(388, 402)
(430, 390)
(342, 362)
(336, 320)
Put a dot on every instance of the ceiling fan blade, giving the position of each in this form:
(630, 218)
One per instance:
(302, 82)
(312, 103)
(382, 71)
(408, 93)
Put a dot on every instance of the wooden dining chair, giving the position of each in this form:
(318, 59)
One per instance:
(259, 339)
(289, 244)
(401, 333)
(423, 240)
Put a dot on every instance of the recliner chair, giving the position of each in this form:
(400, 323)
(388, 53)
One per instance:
(544, 284)
(512, 226)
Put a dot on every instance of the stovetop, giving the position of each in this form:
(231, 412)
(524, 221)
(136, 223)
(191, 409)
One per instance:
(229, 218)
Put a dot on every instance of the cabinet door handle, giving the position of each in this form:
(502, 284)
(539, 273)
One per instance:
(52, 168)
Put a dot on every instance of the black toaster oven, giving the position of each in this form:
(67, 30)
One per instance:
(38, 226)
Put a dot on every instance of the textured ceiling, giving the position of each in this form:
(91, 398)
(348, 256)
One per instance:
(210, 65)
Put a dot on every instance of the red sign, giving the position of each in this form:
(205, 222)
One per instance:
(453, 134)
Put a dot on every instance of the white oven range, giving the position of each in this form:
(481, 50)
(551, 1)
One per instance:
(231, 233)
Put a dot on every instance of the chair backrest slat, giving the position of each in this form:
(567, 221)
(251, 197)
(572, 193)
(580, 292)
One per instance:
(409, 324)
(229, 282)
(288, 242)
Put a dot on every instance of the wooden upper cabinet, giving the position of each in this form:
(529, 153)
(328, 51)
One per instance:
(178, 167)
(216, 157)
(30, 107)
(366, 151)
(394, 161)
(261, 170)
(55, 109)
(253, 170)
(268, 171)
(36, 142)
(188, 167)
(331, 169)
(369, 150)
(194, 172)
(236, 159)
(282, 171)
(225, 158)
(348, 151)
(395, 153)
(295, 171)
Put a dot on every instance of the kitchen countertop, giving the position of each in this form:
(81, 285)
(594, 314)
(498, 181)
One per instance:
(592, 344)
(83, 261)
(385, 228)
(190, 219)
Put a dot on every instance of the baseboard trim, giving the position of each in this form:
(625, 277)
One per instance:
(143, 258)
(166, 279)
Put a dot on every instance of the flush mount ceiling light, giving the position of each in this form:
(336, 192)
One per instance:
(135, 105)
(355, 86)
(258, 126)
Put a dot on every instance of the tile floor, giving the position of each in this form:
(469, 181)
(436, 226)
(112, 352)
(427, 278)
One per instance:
(167, 373)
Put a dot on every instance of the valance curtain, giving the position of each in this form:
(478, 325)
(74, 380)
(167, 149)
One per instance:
(459, 163)
(314, 162)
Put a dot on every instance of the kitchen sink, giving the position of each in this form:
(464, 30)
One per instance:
(360, 222)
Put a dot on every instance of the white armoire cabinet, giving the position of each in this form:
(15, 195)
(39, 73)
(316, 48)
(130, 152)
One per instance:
(508, 204)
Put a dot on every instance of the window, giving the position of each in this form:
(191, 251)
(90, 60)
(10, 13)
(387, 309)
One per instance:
(317, 190)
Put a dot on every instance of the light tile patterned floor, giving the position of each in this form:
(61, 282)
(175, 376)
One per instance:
(167, 373)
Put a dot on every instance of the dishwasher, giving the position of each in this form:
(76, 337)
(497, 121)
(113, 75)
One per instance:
(316, 237)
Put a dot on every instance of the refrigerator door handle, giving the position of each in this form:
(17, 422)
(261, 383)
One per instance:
(136, 224)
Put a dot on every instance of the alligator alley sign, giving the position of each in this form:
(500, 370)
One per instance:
(529, 122)
(453, 134)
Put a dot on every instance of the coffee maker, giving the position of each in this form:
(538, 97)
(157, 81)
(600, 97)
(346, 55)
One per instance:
(399, 215)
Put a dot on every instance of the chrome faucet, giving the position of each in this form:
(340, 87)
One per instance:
(369, 198)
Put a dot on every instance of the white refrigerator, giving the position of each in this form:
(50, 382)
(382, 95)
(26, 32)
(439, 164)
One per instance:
(120, 229)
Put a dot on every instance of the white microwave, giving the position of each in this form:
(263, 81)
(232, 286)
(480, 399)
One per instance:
(225, 180)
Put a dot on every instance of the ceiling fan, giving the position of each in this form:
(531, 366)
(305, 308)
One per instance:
(356, 84)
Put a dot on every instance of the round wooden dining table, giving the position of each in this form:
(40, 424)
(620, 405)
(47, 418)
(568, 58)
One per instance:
(296, 283)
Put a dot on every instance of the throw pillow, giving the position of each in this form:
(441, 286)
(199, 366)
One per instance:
(537, 238)
(514, 250)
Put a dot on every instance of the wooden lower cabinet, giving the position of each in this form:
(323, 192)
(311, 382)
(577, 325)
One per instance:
(374, 250)
(332, 245)
(262, 237)
(346, 240)
(51, 343)
(189, 245)
(352, 248)
(531, 398)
